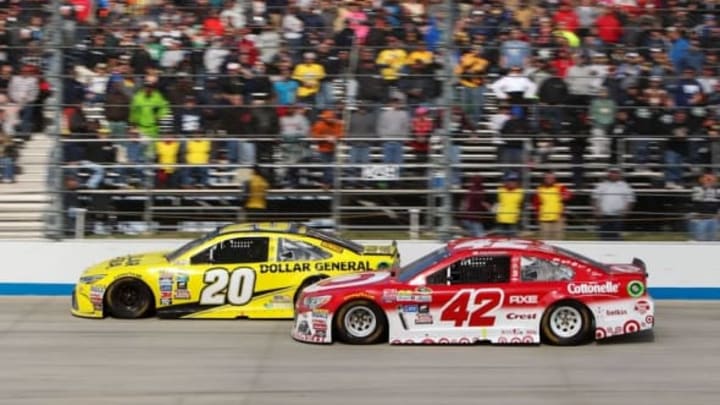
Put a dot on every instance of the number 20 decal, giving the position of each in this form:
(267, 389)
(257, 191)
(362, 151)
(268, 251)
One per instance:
(238, 284)
(472, 307)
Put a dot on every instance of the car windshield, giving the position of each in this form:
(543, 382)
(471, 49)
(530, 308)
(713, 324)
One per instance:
(357, 248)
(410, 270)
(172, 256)
(581, 258)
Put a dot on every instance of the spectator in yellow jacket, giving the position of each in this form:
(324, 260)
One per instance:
(471, 75)
(309, 74)
(167, 152)
(549, 201)
(509, 207)
(197, 153)
(256, 190)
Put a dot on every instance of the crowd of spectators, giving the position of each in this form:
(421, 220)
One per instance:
(167, 74)
(241, 69)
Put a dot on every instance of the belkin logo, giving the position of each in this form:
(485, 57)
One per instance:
(606, 288)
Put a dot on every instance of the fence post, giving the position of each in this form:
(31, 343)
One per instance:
(80, 214)
(414, 223)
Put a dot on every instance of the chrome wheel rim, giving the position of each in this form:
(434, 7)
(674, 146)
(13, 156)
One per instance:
(360, 321)
(566, 322)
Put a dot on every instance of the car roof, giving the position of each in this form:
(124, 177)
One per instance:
(499, 243)
(294, 228)
(283, 227)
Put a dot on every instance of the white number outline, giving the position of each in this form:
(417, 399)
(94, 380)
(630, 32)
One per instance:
(223, 286)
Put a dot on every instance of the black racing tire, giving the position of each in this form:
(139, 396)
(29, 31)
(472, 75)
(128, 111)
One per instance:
(129, 298)
(306, 283)
(567, 323)
(361, 322)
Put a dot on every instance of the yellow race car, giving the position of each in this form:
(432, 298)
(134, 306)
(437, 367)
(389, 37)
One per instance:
(236, 271)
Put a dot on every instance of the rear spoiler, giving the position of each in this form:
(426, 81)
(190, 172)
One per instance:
(641, 264)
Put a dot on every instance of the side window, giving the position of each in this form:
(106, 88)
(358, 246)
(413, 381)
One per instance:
(239, 250)
(474, 270)
(297, 250)
(536, 269)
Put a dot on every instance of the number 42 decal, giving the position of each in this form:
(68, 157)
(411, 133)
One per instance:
(238, 286)
(472, 307)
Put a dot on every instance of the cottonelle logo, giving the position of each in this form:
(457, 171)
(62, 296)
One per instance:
(585, 288)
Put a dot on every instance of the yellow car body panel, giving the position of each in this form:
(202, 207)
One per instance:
(238, 271)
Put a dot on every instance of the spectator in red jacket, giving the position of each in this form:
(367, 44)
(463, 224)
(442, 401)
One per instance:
(566, 14)
(609, 27)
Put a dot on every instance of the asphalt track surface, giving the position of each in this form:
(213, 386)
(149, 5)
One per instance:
(49, 357)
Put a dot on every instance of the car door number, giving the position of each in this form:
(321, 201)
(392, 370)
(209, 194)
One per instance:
(222, 286)
(472, 307)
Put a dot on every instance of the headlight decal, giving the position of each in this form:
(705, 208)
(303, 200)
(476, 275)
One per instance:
(317, 301)
(92, 279)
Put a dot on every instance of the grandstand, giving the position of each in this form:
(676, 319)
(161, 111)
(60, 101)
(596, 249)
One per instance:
(192, 59)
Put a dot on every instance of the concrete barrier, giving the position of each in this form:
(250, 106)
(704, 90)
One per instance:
(689, 270)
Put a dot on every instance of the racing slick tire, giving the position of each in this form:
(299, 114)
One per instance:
(129, 299)
(567, 323)
(361, 322)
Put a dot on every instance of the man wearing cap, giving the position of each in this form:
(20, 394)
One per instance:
(509, 206)
(613, 199)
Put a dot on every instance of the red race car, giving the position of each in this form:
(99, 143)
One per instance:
(471, 290)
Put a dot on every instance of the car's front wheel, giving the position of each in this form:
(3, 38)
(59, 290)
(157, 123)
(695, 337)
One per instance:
(129, 299)
(361, 322)
(567, 323)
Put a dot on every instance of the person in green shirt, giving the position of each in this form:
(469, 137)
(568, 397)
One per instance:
(148, 106)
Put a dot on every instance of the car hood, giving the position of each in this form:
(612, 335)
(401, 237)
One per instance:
(357, 281)
(129, 262)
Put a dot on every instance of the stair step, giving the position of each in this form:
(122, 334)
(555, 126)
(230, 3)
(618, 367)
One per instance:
(14, 235)
(21, 216)
(24, 198)
(29, 226)
(23, 207)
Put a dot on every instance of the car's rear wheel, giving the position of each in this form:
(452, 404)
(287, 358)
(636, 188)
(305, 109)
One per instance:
(129, 299)
(361, 322)
(567, 323)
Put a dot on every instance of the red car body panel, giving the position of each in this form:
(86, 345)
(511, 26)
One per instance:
(429, 302)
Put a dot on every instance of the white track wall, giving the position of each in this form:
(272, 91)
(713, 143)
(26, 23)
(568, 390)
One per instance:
(676, 265)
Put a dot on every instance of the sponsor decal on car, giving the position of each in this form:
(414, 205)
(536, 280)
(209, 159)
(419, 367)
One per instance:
(279, 301)
(129, 260)
(409, 308)
(423, 319)
(181, 286)
(321, 266)
(642, 307)
(96, 297)
(520, 316)
(320, 314)
(420, 294)
(607, 287)
(424, 308)
(359, 295)
(635, 288)
(615, 312)
(523, 299)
